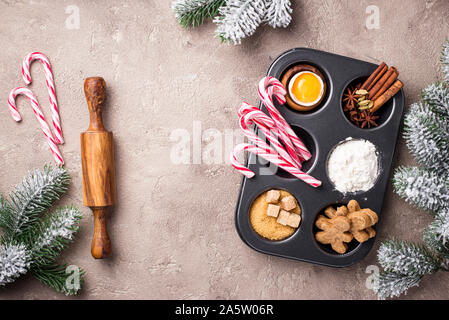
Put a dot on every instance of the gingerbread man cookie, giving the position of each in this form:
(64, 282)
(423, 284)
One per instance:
(345, 223)
(361, 221)
(335, 232)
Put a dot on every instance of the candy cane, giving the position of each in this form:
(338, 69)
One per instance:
(273, 158)
(39, 115)
(273, 128)
(248, 115)
(50, 86)
(268, 87)
(279, 157)
(283, 135)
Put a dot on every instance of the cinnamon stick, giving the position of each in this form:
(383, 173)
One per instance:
(380, 70)
(379, 84)
(381, 73)
(387, 85)
(387, 95)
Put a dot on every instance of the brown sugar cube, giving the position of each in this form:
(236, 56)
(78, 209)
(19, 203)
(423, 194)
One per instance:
(283, 217)
(288, 203)
(273, 210)
(273, 196)
(294, 220)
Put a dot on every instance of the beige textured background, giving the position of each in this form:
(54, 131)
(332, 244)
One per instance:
(173, 228)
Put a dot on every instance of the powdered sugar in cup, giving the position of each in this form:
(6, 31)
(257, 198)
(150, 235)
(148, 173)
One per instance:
(353, 166)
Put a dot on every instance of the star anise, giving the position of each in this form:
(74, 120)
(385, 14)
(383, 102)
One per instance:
(367, 119)
(350, 99)
(354, 115)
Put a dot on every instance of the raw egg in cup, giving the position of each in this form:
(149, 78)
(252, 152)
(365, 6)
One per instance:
(305, 86)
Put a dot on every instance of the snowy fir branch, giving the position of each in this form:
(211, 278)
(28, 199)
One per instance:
(445, 60)
(407, 258)
(404, 265)
(56, 277)
(239, 19)
(422, 188)
(436, 96)
(235, 19)
(427, 136)
(278, 13)
(192, 13)
(53, 234)
(15, 260)
(390, 284)
(32, 197)
(436, 235)
(426, 133)
(32, 238)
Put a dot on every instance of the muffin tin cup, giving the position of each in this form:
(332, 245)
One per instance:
(326, 126)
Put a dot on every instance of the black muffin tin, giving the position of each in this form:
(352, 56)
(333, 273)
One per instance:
(321, 130)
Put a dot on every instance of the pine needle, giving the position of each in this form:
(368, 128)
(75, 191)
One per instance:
(53, 234)
(15, 260)
(278, 13)
(239, 19)
(436, 235)
(37, 192)
(31, 239)
(436, 96)
(445, 60)
(192, 13)
(407, 258)
(60, 278)
(427, 136)
(422, 188)
(390, 284)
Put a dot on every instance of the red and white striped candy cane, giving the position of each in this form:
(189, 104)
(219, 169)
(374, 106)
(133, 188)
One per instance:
(250, 114)
(50, 86)
(273, 158)
(268, 87)
(39, 115)
(282, 133)
(266, 154)
(274, 128)
(263, 150)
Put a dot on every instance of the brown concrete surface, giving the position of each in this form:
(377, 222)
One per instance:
(173, 229)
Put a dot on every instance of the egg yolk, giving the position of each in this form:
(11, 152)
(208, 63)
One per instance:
(306, 88)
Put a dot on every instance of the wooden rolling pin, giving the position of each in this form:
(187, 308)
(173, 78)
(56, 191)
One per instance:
(97, 156)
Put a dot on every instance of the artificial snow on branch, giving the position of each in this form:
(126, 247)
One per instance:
(436, 235)
(278, 13)
(37, 192)
(445, 61)
(407, 258)
(15, 260)
(235, 19)
(32, 238)
(437, 96)
(426, 134)
(52, 235)
(239, 19)
(422, 188)
(390, 284)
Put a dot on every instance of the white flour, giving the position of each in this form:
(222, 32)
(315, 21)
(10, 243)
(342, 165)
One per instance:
(353, 166)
